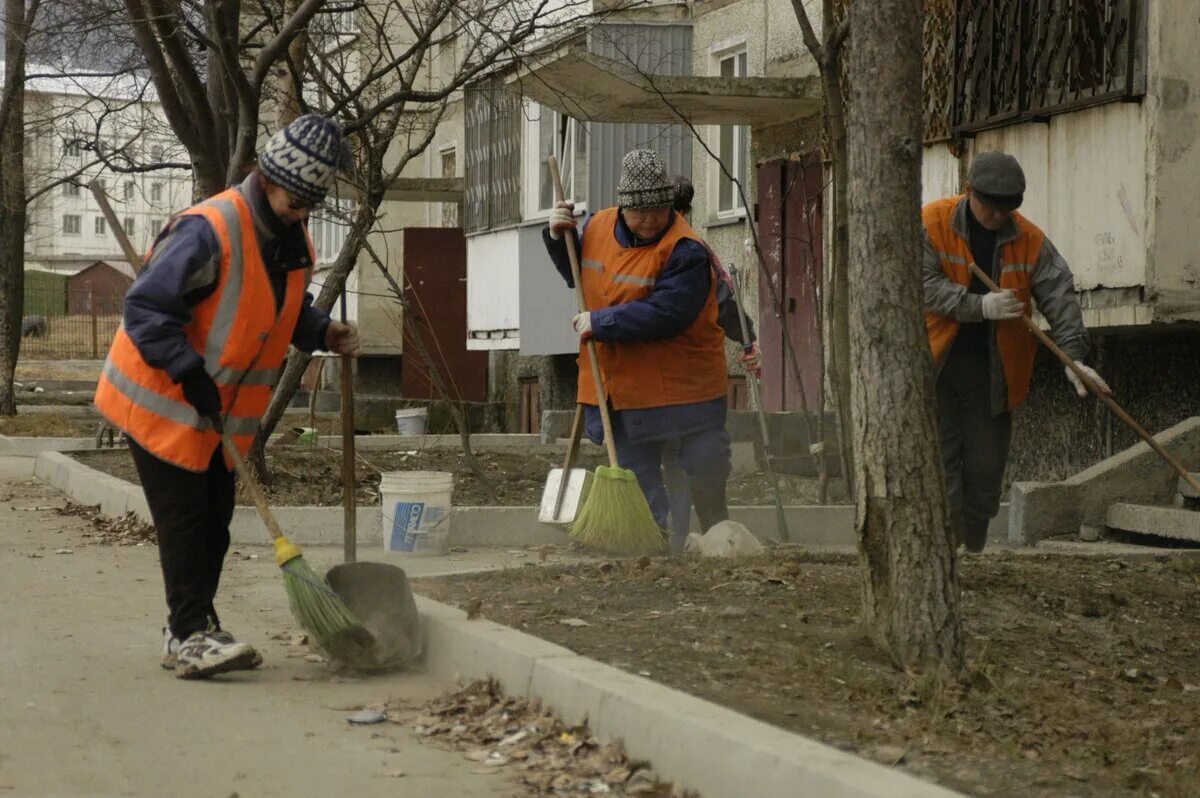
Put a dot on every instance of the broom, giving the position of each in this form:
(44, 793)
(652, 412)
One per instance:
(330, 625)
(615, 517)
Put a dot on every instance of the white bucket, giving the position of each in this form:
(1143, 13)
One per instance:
(411, 420)
(415, 506)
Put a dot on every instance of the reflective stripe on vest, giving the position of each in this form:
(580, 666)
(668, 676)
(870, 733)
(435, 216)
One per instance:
(1018, 259)
(690, 367)
(243, 349)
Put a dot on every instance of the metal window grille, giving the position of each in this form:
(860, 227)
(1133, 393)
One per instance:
(1021, 60)
(492, 157)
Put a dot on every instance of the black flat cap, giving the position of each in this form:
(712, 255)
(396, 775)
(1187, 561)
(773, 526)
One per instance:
(997, 179)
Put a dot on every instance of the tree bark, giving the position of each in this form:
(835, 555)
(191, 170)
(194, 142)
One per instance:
(910, 576)
(12, 203)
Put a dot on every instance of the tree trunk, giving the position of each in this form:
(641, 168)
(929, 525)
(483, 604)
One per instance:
(12, 204)
(910, 576)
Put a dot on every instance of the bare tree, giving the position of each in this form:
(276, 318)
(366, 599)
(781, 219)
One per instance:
(17, 19)
(910, 576)
(828, 51)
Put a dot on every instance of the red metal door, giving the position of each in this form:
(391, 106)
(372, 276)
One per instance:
(790, 234)
(435, 287)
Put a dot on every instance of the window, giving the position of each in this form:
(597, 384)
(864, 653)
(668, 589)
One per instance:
(70, 189)
(733, 141)
(129, 226)
(71, 224)
(154, 226)
(156, 153)
(1029, 60)
(130, 189)
(449, 169)
(552, 128)
(156, 192)
(72, 149)
(101, 227)
(102, 183)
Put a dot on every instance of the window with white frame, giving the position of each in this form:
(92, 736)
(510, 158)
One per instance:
(567, 139)
(70, 189)
(129, 226)
(732, 142)
(100, 226)
(156, 192)
(154, 226)
(130, 189)
(73, 149)
(71, 224)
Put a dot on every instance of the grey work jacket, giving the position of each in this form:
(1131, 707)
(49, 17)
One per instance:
(1053, 290)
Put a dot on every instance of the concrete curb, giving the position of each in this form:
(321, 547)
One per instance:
(812, 525)
(696, 744)
(32, 447)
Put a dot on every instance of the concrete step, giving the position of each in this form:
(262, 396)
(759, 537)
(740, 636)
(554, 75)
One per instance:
(1168, 522)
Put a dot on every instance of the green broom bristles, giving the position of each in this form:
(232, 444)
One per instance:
(323, 615)
(615, 517)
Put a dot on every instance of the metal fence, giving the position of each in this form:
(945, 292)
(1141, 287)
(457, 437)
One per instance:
(64, 321)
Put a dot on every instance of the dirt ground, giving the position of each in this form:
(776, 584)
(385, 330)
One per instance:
(46, 426)
(1084, 678)
(306, 476)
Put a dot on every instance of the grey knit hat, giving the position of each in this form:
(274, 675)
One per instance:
(644, 182)
(306, 157)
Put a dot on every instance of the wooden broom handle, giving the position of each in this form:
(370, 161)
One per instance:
(1090, 384)
(593, 355)
(349, 507)
(256, 496)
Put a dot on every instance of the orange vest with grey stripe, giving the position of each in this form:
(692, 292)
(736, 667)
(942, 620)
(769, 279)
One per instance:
(242, 342)
(689, 367)
(1018, 258)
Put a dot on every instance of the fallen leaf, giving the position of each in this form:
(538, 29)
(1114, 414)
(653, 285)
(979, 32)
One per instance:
(573, 622)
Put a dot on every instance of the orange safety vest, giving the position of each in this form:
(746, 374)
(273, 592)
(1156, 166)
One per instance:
(688, 368)
(1018, 259)
(242, 341)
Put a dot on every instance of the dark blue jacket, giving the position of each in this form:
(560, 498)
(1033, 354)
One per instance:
(184, 269)
(674, 303)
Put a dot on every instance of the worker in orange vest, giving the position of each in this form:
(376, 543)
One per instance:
(206, 327)
(651, 295)
(982, 351)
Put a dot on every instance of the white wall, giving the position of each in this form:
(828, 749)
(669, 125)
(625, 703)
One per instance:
(493, 284)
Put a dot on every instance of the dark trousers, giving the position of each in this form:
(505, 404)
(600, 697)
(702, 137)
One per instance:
(703, 456)
(191, 514)
(974, 446)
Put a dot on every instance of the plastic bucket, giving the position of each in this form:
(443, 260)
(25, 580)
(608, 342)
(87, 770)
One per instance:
(411, 420)
(415, 506)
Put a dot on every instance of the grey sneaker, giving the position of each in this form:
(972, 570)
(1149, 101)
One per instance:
(170, 652)
(208, 653)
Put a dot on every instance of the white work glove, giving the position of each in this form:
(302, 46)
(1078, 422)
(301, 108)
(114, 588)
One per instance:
(583, 325)
(1002, 305)
(562, 218)
(1078, 383)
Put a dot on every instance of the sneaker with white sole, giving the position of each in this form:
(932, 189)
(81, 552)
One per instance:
(170, 652)
(209, 652)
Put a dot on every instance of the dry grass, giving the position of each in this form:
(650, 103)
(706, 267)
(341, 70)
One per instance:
(41, 426)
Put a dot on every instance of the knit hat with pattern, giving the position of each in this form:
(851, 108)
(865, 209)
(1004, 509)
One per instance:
(644, 182)
(306, 157)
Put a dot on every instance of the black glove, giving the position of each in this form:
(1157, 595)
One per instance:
(202, 394)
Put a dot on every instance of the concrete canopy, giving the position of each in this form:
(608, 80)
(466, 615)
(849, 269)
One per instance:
(412, 189)
(593, 88)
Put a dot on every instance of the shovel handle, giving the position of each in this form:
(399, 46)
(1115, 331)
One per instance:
(349, 511)
(593, 355)
(1090, 384)
(256, 495)
(572, 449)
